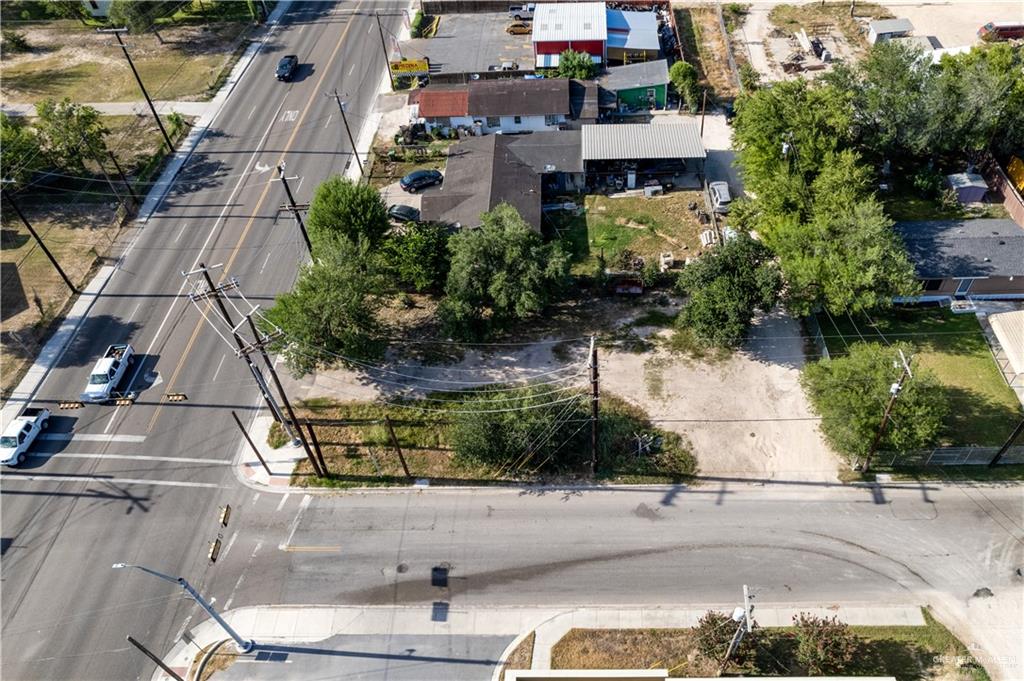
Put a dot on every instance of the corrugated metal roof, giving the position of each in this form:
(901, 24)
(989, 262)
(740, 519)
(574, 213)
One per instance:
(882, 26)
(633, 30)
(1009, 329)
(643, 74)
(569, 21)
(641, 141)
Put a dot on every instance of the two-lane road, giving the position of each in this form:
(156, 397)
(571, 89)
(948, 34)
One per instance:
(144, 483)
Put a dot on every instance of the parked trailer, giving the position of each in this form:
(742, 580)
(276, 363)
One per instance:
(994, 31)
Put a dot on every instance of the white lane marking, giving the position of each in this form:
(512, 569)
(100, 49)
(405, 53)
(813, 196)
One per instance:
(253, 111)
(231, 542)
(265, 261)
(370, 30)
(219, 365)
(328, 120)
(90, 437)
(350, 69)
(180, 232)
(18, 477)
(295, 523)
(289, 115)
(129, 457)
(299, 184)
(283, 499)
(255, 498)
(213, 230)
(110, 422)
(132, 315)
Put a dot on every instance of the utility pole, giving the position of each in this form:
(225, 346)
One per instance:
(294, 208)
(156, 660)
(344, 119)
(215, 292)
(260, 341)
(243, 645)
(42, 246)
(394, 443)
(124, 179)
(595, 397)
(248, 439)
(124, 48)
(1006, 446)
(894, 392)
(746, 625)
(384, 47)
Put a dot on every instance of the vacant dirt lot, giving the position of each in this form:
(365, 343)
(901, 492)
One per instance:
(956, 24)
(704, 47)
(745, 414)
(68, 60)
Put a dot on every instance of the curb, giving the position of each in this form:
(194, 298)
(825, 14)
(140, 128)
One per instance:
(201, 667)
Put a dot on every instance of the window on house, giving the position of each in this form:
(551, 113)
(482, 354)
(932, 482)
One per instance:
(443, 121)
(932, 284)
(551, 119)
(93, 4)
(493, 122)
(517, 119)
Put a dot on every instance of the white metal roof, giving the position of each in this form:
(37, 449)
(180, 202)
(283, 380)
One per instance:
(641, 141)
(884, 26)
(633, 30)
(555, 22)
(1009, 329)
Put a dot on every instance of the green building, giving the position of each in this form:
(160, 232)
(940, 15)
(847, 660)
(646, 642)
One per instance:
(638, 86)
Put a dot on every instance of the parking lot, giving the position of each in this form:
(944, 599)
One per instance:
(956, 24)
(469, 43)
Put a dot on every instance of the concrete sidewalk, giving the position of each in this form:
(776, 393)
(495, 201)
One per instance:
(281, 625)
(122, 108)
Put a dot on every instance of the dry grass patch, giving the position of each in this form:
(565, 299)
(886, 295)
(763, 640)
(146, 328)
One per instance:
(223, 657)
(671, 649)
(68, 60)
(705, 47)
(521, 657)
(791, 18)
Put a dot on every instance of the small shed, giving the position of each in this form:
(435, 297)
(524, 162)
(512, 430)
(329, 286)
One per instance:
(640, 86)
(887, 29)
(969, 187)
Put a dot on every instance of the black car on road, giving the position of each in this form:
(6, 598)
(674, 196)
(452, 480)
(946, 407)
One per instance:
(418, 179)
(286, 67)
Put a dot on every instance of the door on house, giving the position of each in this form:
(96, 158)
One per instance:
(963, 287)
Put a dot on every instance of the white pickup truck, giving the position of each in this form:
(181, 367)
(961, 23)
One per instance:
(108, 372)
(21, 433)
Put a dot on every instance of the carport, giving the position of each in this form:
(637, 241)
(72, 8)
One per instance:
(649, 151)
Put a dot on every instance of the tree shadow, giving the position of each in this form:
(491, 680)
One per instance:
(44, 82)
(87, 347)
(976, 419)
(14, 299)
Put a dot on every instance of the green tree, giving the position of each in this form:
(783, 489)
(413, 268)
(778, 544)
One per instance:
(68, 9)
(331, 310)
(20, 154)
(342, 209)
(750, 79)
(70, 134)
(418, 256)
(784, 135)
(825, 646)
(724, 288)
(578, 65)
(848, 261)
(844, 181)
(139, 17)
(850, 392)
(501, 272)
(684, 79)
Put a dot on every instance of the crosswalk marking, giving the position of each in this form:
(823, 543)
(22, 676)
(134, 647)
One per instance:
(131, 457)
(19, 477)
(90, 437)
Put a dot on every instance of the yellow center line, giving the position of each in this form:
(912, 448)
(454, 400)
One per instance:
(252, 218)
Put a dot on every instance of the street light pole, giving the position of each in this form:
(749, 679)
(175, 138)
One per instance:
(243, 645)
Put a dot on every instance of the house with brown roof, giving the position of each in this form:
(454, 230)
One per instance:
(492, 106)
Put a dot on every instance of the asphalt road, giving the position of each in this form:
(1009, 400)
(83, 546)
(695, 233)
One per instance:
(144, 483)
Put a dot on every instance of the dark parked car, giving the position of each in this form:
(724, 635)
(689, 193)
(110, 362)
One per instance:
(401, 213)
(418, 179)
(286, 67)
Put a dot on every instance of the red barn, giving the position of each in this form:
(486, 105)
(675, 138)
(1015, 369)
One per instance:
(579, 26)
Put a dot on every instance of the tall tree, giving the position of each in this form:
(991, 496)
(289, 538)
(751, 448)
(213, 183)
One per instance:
(331, 310)
(501, 272)
(724, 287)
(684, 79)
(579, 65)
(785, 134)
(418, 256)
(342, 209)
(69, 133)
(20, 155)
(68, 9)
(850, 393)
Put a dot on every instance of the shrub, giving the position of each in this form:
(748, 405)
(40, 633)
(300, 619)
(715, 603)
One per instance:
(928, 183)
(416, 28)
(13, 41)
(825, 646)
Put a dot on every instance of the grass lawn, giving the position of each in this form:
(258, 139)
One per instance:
(360, 452)
(645, 226)
(983, 408)
(905, 207)
(69, 60)
(921, 653)
(792, 18)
